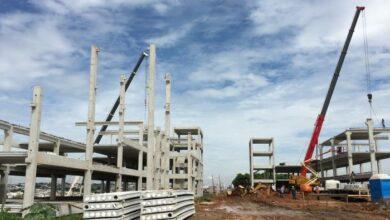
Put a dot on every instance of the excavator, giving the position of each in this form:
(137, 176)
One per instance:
(302, 181)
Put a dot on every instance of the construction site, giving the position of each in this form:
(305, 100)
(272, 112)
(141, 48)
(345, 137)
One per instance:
(130, 169)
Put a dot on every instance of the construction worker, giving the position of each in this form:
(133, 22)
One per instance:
(293, 192)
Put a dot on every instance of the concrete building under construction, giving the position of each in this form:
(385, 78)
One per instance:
(343, 156)
(143, 157)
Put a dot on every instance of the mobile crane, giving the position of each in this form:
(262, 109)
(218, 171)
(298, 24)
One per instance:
(302, 181)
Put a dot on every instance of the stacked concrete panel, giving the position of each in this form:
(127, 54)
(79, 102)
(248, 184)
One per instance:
(167, 204)
(262, 149)
(118, 205)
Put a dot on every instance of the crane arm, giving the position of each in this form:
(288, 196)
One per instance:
(321, 117)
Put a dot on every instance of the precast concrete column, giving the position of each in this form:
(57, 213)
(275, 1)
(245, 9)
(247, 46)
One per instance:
(334, 167)
(189, 161)
(63, 185)
(119, 157)
(53, 182)
(150, 101)
(91, 120)
(157, 160)
(102, 187)
(378, 161)
(374, 165)
(167, 129)
(251, 162)
(4, 178)
(349, 152)
(33, 142)
(321, 158)
(140, 168)
(273, 160)
(108, 186)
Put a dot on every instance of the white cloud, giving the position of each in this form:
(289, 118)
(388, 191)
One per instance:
(172, 37)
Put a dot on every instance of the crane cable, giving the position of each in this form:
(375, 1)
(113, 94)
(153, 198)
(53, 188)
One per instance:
(367, 63)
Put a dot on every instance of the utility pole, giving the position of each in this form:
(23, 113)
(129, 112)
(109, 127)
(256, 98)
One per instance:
(212, 183)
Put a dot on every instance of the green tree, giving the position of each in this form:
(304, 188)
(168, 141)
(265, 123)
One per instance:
(242, 179)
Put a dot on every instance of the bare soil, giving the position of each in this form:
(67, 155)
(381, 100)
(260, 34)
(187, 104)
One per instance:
(260, 206)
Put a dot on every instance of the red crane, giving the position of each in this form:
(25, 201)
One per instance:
(321, 116)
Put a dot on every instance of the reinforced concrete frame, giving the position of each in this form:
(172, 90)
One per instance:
(186, 160)
(354, 146)
(267, 171)
(144, 155)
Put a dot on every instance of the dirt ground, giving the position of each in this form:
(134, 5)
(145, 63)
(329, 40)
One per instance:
(272, 207)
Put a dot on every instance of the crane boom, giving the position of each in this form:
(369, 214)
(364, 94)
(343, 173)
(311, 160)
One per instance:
(321, 117)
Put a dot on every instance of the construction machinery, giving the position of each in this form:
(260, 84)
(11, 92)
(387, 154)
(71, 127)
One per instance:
(302, 181)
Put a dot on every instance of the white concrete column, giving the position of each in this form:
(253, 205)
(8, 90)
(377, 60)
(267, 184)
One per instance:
(333, 157)
(167, 129)
(189, 161)
(251, 162)
(349, 152)
(53, 182)
(321, 158)
(378, 161)
(150, 101)
(63, 185)
(157, 160)
(374, 165)
(4, 178)
(31, 160)
(53, 187)
(91, 120)
(141, 134)
(273, 160)
(140, 168)
(119, 158)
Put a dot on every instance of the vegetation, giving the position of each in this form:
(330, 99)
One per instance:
(41, 211)
(38, 211)
(207, 197)
(5, 215)
(242, 180)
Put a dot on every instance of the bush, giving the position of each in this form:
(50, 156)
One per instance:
(5, 215)
(242, 179)
(40, 211)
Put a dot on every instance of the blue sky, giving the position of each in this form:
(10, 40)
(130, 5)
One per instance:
(239, 68)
